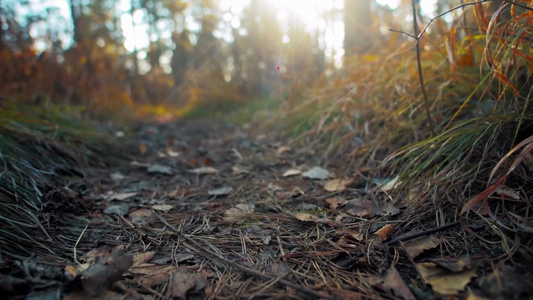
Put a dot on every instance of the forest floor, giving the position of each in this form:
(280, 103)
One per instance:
(208, 210)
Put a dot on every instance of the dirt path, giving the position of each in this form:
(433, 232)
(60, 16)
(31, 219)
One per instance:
(206, 210)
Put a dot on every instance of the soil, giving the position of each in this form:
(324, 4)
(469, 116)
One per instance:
(207, 210)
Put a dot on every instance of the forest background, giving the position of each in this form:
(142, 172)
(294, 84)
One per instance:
(392, 90)
(426, 104)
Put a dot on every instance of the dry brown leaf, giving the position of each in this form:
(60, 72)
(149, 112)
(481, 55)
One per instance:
(171, 153)
(154, 279)
(305, 217)
(443, 281)
(337, 185)
(122, 196)
(204, 170)
(159, 169)
(360, 208)
(184, 280)
(232, 214)
(142, 148)
(316, 173)
(150, 269)
(392, 280)
(71, 272)
(334, 202)
(391, 184)
(292, 172)
(454, 264)
(139, 164)
(351, 235)
(99, 277)
(140, 216)
(117, 176)
(163, 207)
(415, 247)
(142, 258)
(283, 149)
(92, 255)
(472, 296)
(237, 170)
(220, 191)
(384, 232)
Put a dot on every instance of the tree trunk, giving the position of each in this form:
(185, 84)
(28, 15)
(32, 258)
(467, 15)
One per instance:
(357, 23)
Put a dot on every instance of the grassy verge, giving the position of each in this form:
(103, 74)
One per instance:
(38, 145)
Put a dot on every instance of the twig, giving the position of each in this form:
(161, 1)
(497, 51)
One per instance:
(419, 234)
(208, 253)
(76, 245)
(420, 74)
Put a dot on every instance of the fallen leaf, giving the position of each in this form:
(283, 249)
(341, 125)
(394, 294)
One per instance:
(159, 169)
(142, 148)
(389, 184)
(156, 278)
(184, 280)
(292, 172)
(171, 153)
(351, 235)
(117, 176)
(162, 207)
(334, 202)
(121, 196)
(237, 170)
(337, 185)
(70, 272)
(454, 264)
(443, 281)
(150, 269)
(508, 282)
(141, 258)
(220, 191)
(98, 278)
(118, 209)
(96, 253)
(384, 232)
(140, 216)
(283, 149)
(316, 173)
(392, 280)
(388, 210)
(360, 208)
(305, 217)
(204, 170)
(232, 214)
(139, 164)
(415, 247)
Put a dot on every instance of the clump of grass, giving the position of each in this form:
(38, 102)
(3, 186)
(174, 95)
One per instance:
(372, 114)
(37, 144)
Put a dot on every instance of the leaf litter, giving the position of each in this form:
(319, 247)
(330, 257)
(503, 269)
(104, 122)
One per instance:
(261, 234)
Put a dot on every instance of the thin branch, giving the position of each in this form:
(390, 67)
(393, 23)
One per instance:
(423, 233)
(420, 74)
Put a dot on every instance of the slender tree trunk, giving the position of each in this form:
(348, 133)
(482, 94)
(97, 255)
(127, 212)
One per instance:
(76, 15)
(357, 23)
(134, 52)
(2, 33)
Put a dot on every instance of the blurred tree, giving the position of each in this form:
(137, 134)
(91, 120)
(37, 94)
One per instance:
(180, 56)
(2, 17)
(357, 25)
(260, 38)
(305, 59)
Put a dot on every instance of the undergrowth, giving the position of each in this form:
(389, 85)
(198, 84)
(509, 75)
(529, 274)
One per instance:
(479, 90)
(40, 148)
